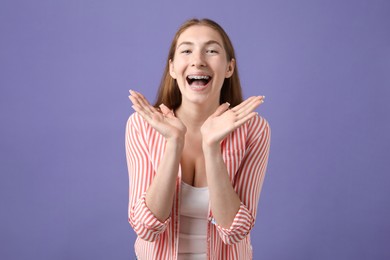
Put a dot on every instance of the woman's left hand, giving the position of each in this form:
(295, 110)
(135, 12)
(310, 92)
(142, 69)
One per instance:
(225, 120)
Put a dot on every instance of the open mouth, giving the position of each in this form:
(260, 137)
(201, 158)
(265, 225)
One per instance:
(198, 80)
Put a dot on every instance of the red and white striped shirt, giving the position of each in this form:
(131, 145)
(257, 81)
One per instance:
(245, 152)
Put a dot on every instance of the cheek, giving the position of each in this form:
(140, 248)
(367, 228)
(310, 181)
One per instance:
(220, 65)
(222, 71)
(179, 65)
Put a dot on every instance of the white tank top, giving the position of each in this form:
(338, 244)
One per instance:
(194, 205)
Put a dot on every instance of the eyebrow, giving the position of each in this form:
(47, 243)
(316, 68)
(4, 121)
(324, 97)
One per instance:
(206, 43)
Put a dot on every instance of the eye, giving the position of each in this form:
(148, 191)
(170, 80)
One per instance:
(186, 51)
(212, 51)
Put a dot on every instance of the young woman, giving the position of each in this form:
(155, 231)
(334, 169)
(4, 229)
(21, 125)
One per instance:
(196, 159)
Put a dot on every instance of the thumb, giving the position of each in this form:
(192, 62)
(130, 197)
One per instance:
(221, 109)
(166, 111)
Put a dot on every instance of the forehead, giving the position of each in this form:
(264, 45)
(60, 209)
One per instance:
(200, 34)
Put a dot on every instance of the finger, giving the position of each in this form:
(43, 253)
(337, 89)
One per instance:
(221, 109)
(140, 110)
(133, 100)
(142, 98)
(142, 101)
(245, 119)
(249, 106)
(151, 119)
(245, 113)
(246, 103)
(135, 95)
(243, 103)
(166, 111)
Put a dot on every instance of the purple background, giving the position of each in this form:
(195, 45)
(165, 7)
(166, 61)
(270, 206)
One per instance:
(66, 67)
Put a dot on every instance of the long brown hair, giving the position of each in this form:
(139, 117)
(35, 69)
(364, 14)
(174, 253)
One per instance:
(169, 93)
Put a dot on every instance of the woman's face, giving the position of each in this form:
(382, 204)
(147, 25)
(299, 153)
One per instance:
(200, 65)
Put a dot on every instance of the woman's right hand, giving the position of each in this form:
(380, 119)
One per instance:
(163, 120)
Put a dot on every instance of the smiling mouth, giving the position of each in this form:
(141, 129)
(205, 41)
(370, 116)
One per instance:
(198, 80)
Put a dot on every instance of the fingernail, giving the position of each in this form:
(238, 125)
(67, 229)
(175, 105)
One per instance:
(228, 103)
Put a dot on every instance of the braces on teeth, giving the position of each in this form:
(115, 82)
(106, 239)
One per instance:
(198, 77)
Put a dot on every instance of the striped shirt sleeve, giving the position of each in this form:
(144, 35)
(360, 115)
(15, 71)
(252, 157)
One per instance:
(248, 181)
(141, 173)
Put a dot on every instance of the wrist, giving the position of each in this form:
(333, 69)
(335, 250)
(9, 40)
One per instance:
(176, 144)
(211, 147)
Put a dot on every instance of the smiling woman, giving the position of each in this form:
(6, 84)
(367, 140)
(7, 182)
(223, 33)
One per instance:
(200, 65)
(196, 166)
(169, 93)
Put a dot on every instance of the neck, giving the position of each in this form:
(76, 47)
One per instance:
(193, 115)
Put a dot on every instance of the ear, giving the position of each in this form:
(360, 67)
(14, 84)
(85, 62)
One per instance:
(171, 69)
(230, 68)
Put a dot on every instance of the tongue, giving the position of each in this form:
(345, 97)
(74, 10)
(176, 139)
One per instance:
(199, 82)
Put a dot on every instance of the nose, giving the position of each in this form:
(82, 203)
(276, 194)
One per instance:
(198, 59)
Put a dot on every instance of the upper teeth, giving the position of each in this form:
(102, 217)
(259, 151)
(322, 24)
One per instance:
(198, 77)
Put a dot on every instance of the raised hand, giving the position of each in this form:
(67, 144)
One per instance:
(163, 119)
(225, 120)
